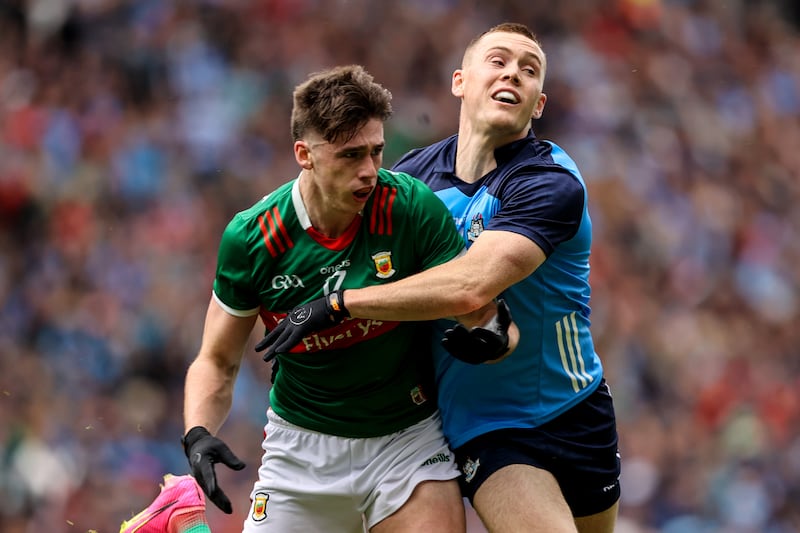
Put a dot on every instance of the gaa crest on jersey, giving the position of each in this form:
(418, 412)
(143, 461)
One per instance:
(383, 264)
(475, 227)
(260, 506)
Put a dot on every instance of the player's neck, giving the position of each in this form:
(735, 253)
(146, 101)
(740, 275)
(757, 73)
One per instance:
(474, 157)
(332, 227)
(327, 219)
(476, 147)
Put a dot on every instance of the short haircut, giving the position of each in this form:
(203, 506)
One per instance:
(336, 103)
(505, 27)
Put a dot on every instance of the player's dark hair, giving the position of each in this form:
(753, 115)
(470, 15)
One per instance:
(336, 103)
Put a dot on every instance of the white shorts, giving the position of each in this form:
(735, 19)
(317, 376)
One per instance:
(310, 481)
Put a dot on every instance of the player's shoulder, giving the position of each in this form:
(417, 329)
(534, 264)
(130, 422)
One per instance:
(403, 181)
(406, 190)
(278, 198)
(438, 154)
(556, 155)
(546, 154)
(545, 160)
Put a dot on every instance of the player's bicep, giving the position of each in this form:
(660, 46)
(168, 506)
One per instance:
(504, 258)
(224, 336)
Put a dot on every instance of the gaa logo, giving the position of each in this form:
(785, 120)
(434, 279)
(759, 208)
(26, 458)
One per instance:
(286, 281)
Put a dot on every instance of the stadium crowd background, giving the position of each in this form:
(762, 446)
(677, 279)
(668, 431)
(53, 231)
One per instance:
(131, 131)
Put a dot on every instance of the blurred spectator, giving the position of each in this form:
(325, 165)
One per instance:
(130, 132)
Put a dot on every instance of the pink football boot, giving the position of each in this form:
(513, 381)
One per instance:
(179, 508)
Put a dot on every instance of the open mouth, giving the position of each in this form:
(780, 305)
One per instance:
(363, 194)
(507, 97)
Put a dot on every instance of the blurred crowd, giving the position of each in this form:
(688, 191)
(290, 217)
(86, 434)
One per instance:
(132, 130)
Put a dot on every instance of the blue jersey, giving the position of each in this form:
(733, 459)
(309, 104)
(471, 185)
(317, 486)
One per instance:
(536, 191)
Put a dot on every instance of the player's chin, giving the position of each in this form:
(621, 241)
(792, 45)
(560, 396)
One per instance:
(506, 122)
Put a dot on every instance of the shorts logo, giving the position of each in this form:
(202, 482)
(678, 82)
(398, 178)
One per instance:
(438, 458)
(475, 227)
(383, 264)
(418, 396)
(470, 469)
(260, 506)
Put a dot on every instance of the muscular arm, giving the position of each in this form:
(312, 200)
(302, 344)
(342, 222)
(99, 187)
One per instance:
(210, 379)
(463, 286)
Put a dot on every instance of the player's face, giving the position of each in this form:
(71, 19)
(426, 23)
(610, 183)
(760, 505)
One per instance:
(501, 82)
(344, 173)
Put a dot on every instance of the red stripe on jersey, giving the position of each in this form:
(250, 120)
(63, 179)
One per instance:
(381, 219)
(389, 211)
(285, 233)
(273, 231)
(265, 233)
(374, 213)
(382, 214)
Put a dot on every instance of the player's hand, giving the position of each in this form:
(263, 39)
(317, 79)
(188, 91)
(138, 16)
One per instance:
(301, 321)
(204, 450)
(486, 343)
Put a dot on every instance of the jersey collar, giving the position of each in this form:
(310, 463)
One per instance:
(445, 162)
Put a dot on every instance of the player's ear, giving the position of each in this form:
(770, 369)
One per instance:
(302, 154)
(539, 108)
(457, 86)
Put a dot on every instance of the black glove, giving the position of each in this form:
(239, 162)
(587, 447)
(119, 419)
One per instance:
(204, 450)
(303, 320)
(480, 344)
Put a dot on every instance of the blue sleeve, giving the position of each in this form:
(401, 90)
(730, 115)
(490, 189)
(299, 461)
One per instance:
(545, 206)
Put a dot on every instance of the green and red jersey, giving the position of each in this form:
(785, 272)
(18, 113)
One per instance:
(362, 378)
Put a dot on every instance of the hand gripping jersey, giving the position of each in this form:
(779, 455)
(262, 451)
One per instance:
(362, 378)
(536, 191)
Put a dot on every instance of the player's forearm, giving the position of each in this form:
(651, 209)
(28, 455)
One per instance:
(208, 395)
(443, 291)
(459, 287)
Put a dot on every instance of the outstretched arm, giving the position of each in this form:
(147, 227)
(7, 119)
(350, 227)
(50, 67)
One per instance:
(495, 261)
(463, 288)
(208, 394)
(208, 391)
